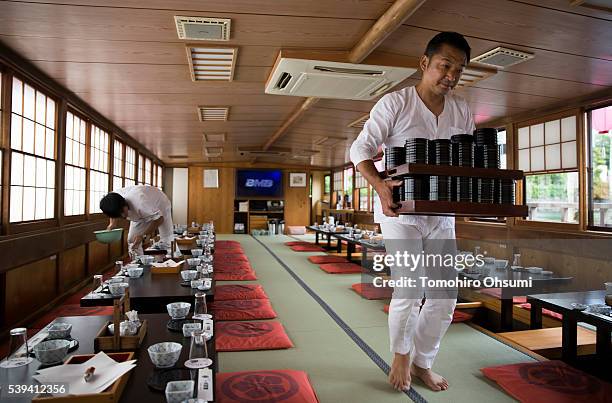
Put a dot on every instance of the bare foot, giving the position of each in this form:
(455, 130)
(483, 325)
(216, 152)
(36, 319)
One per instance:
(399, 376)
(434, 381)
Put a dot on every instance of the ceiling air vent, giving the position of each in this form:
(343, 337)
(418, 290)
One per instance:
(211, 63)
(258, 152)
(472, 75)
(501, 57)
(329, 141)
(203, 28)
(210, 113)
(214, 137)
(213, 151)
(177, 157)
(329, 79)
(359, 122)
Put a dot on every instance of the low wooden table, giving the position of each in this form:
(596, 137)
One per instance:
(150, 293)
(540, 283)
(562, 303)
(351, 244)
(329, 234)
(85, 328)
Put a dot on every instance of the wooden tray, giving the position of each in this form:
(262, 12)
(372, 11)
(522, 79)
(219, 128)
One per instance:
(167, 270)
(451, 170)
(105, 341)
(461, 209)
(111, 395)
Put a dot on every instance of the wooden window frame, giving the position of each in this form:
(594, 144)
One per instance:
(31, 225)
(121, 174)
(72, 219)
(581, 169)
(125, 164)
(588, 167)
(109, 174)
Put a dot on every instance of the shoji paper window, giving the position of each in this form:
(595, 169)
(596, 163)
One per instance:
(130, 166)
(99, 150)
(32, 144)
(548, 146)
(117, 165)
(75, 166)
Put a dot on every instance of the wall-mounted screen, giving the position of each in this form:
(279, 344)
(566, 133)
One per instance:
(259, 183)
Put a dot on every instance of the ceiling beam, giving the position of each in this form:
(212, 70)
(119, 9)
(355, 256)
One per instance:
(395, 16)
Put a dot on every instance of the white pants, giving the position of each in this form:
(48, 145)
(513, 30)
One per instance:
(138, 228)
(412, 327)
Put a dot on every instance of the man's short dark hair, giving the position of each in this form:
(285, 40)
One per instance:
(112, 205)
(453, 39)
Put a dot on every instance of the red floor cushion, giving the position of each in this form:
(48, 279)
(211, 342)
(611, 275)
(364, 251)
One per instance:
(246, 275)
(293, 243)
(239, 291)
(326, 259)
(497, 293)
(307, 248)
(231, 258)
(461, 316)
(243, 309)
(458, 315)
(228, 251)
(341, 268)
(545, 312)
(250, 336)
(232, 266)
(549, 381)
(368, 291)
(265, 386)
(226, 242)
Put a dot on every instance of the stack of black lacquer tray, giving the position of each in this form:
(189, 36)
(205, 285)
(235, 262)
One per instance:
(457, 177)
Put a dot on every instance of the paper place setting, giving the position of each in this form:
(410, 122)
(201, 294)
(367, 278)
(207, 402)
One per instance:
(167, 263)
(107, 371)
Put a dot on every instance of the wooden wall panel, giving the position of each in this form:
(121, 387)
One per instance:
(97, 257)
(29, 288)
(297, 202)
(218, 204)
(116, 249)
(215, 204)
(71, 268)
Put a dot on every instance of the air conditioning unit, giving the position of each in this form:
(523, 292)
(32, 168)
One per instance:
(305, 77)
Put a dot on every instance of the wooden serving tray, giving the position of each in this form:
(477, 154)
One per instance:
(166, 270)
(105, 341)
(452, 170)
(461, 209)
(111, 395)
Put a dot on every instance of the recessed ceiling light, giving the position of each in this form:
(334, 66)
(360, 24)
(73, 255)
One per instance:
(210, 63)
(203, 28)
(214, 137)
(213, 151)
(208, 113)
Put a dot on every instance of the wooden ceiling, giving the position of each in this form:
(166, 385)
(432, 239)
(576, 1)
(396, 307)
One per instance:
(124, 58)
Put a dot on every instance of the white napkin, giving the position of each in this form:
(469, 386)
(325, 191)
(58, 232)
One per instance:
(107, 371)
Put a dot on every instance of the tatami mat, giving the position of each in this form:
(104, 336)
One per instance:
(339, 370)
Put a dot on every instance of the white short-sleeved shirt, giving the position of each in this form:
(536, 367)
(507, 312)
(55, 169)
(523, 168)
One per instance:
(145, 203)
(401, 115)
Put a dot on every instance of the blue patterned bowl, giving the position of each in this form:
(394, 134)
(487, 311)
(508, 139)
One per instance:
(165, 355)
(51, 351)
